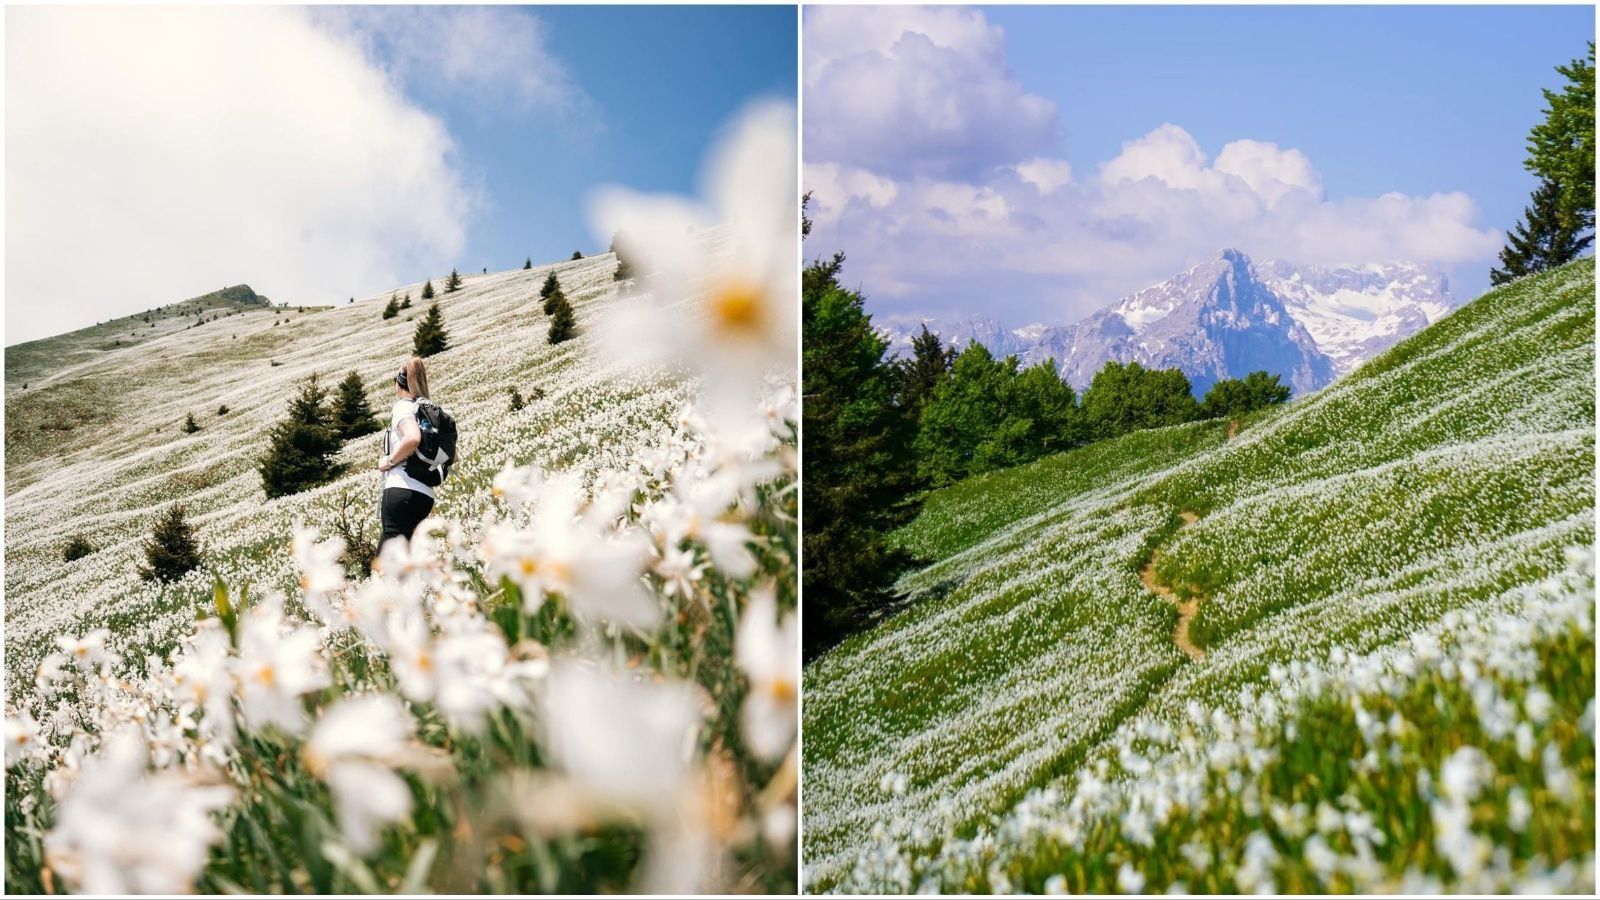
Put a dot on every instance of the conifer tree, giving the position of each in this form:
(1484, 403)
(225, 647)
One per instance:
(190, 426)
(1544, 239)
(928, 365)
(391, 309)
(516, 400)
(77, 548)
(430, 337)
(563, 325)
(577, 254)
(301, 448)
(427, 290)
(550, 286)
(527, 264)
(172, 551)
(405, 302)
(352, 417)
(454, 283)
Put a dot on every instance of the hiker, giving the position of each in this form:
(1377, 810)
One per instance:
(419, 449)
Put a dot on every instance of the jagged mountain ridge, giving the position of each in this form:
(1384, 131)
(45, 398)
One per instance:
(1226, 317)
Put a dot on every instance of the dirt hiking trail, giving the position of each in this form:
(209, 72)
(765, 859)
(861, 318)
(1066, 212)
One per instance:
(1186, 608)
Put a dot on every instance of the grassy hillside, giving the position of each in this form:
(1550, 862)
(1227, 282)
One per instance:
(34, 362)
(105, 481)
(586, 566)
(1029, 722)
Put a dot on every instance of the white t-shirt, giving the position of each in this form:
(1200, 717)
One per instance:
(397, 477)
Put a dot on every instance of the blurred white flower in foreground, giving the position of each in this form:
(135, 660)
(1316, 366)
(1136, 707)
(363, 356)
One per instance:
(120, 830)
(277, 663)
(744, 283)
(22, 738)
(355, 748)
(769, 654)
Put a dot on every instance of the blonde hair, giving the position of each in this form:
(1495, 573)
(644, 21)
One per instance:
(416, 377)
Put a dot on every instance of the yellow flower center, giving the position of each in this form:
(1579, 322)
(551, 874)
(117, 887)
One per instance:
(267, 676)
(783, 689)
(736, 308)
(529, 566)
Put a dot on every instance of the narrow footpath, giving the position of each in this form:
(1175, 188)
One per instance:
(1186, 608)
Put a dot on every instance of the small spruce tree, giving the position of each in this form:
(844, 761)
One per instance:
(392, 308)
(1544, 239)
(430, 337)
(427, 290)
(563, 325)
(527, 264)
(77, 548)
(172, 551)
(405, 302)
(190, 426)
(301, 448)
(550, 286)
(577, 254)
(454, 283)
(222, 410)
(352, 417)
(624, 271)
(516, 400)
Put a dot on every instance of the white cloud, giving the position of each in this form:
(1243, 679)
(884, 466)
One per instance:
(492, 57)
(1048, 175)
(903, 90)
(1002, 245)
(158, 153)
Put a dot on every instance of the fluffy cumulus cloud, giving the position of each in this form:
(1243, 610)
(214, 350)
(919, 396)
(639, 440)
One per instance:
(907, 91)
(490, 58)
(159, 153)
(1025, 238)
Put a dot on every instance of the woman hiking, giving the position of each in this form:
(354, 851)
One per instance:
(406, 499)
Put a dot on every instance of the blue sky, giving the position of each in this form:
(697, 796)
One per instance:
(1414, 99)
(320, 153)
(1084, 151)
(662, 80)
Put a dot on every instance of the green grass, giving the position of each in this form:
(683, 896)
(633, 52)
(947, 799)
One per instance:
(1452, 471)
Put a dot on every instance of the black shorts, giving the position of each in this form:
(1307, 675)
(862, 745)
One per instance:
(403, 510)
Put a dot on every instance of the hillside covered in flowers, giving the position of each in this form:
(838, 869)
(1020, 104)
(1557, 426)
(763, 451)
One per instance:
(1345, 644)
(580, 676)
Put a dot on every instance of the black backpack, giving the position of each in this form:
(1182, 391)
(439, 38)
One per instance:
(430, 462)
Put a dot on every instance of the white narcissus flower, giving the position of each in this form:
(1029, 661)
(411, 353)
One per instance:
(22, 738)
(624, 741)
(321, 572)
(88, 653)
(277, 663)
(120, 830)
(742, 282)
(769, 654)
(563, 552)
(355, 747)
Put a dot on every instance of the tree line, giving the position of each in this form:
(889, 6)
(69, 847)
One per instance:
(882, 430)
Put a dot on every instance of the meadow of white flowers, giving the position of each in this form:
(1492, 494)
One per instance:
(582, 675)
(1396, 694)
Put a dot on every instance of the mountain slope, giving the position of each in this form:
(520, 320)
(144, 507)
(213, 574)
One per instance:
(967, 743)
(32, 362)
(106, 480)
(1225, 318)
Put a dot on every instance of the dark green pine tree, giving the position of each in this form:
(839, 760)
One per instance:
(430, 337)
(926, 368)
(550, 286)
(517, 403)
(453, 284)
(301, 448)
(1544, 239)
(351, 416)
(172, 551)
(190, 426)
(392, 308)
(577, 254)
(405, 302)
(858, 469)
(527, 264)
(427, 290)
(563, 324)
(77, 548)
